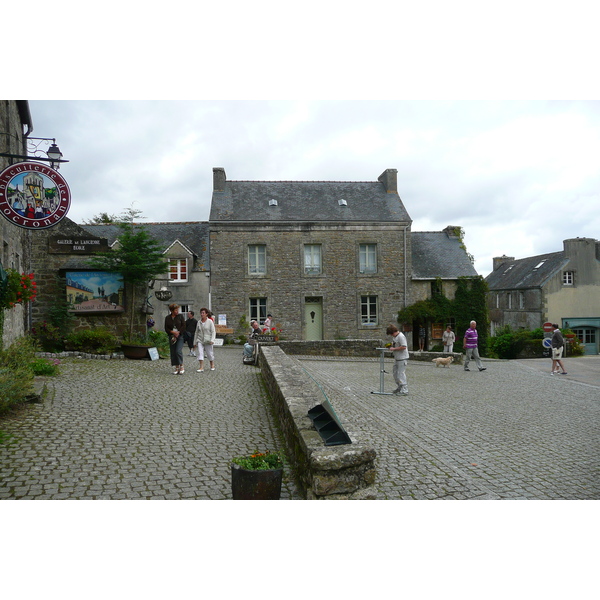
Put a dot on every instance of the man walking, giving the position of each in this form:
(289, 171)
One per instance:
(470, 346)
(557, 350)
(400, 349)
(190, 330)
(448, 339)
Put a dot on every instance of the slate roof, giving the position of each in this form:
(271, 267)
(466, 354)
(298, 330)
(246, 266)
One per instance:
(309, 201)
(526, 272)
(435, 254)
(193, 234)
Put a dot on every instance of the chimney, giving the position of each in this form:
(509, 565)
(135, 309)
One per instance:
(453, 231)
(389, 178)
(500, 260)
(219, 179)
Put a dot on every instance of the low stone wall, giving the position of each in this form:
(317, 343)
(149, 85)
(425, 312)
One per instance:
(324, 472)
(332, 347)
(429, 356)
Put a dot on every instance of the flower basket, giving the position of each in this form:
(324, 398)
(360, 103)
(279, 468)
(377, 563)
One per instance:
(257, 477)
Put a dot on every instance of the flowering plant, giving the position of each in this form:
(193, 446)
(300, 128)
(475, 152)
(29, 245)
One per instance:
(273, 331)
(20, 288)
(259, 461)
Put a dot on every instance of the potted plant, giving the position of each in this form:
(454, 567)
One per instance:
(257, 477)
(138, 258)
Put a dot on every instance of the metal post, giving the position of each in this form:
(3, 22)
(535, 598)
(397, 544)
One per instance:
(382, 371)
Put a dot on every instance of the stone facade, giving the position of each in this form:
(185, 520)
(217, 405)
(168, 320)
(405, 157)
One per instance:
(15, 242)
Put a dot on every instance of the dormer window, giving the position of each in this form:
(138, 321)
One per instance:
(568, 277)
(539, 264)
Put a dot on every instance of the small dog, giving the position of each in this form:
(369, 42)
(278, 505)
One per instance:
(443, 362)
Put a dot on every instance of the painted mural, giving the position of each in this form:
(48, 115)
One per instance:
(94, 291)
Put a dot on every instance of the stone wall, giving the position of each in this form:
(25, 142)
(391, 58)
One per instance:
(286, 287)
(324, 472)
(49, 269)
(332, 347)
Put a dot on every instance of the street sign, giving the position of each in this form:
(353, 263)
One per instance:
(547, 343)
(547, 327)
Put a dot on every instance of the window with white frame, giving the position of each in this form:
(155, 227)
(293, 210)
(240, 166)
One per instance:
(509, 300)
(178, 270)
(258, 309)
(367, 258)
(312, 259)
(568, 277)
(521, 300)
(257, 259)
(368, 310)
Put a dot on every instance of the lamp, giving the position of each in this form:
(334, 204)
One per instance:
(53, 155)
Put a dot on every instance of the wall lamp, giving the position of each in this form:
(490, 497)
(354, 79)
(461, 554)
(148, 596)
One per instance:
(53, 154)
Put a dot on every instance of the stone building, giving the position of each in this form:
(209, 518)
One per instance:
(559, 287)
(15, 125)
(439, 258)
(328, 259)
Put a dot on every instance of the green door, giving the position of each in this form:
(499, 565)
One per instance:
(313, 319)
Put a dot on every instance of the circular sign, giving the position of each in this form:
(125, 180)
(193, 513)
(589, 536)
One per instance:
(547, 343)
(33, 195)
(547, 327)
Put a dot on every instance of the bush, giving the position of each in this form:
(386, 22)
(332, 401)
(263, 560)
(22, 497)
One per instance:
(48, 337)
(160, 339)
(93, 341)
(16, 373)
(509, 344)
(44, 366)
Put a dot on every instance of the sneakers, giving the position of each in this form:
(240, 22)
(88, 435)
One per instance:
(467, 369)
(192, 353)
(563, 373)
(199, 370)
(483, 368)
(212, 368)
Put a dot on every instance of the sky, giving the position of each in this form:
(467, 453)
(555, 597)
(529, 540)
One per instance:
(519, 176)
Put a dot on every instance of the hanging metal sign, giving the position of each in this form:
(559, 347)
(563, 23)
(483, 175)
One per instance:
(33, 196)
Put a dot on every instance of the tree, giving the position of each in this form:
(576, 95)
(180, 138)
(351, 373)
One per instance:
(102, 218)
(137, 257)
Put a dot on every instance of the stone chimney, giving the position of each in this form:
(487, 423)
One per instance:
(500, 260)
(219, 179)
(452, 231)
(389, 178)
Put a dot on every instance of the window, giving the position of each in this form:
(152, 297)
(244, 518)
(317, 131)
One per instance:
(368, 310)
(497, 300)
(568, 277)
(257, 259)
(367, 258)
(585, 336)
(258, 309)
(521, 300)
(509, 300)
(436, 288)
(178, 269)
(312, 259)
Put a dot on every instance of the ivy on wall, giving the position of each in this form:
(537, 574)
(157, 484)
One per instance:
(469, 304)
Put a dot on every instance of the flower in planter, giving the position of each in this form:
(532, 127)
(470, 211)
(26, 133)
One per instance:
(20, 288)
(259, 461)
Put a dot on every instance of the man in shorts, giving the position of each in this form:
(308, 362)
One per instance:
(558, 345)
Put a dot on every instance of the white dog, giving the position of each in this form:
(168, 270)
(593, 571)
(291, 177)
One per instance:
(443, 362)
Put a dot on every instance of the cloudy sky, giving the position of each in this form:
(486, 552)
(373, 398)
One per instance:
(518, 176)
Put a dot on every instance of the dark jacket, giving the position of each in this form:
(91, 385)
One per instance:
(557, 339)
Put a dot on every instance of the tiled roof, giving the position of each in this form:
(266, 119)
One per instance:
(436, 254)
(529, 272)
(307, 201)
(193, 234)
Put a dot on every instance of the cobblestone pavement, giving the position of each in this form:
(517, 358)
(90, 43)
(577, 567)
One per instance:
(120, 429)
(511, 432)
(130, 429)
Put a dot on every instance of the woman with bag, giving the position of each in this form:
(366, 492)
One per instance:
(175, 328)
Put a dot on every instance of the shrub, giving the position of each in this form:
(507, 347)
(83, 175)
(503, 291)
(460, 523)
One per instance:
(93, 341)
(48, 337)
(44, 366)
(160, 339)
(16, 374)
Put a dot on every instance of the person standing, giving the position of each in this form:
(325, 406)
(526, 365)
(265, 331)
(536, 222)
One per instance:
(470, 346)
(421, 337)
(400, 349)
(175, 328)
(205, 340)
(448, 338)
(268, 323)
(558, 344)
(190, 331)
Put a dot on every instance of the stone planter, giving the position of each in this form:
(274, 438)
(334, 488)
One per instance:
(135, 352)
(255, 485)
